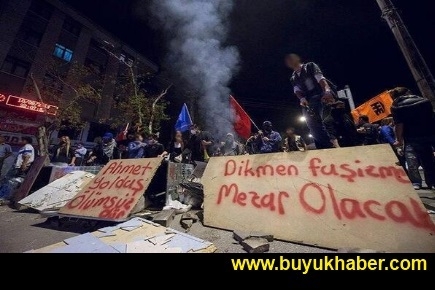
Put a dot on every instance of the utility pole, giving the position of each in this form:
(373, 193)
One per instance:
(416, 62)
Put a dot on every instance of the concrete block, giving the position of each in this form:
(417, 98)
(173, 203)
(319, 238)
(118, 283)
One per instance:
(240, 236)
(186, 224)
(268, 237)
(255, 245)
(165, 217)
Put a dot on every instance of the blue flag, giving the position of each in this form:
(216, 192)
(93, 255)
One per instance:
(184, 121)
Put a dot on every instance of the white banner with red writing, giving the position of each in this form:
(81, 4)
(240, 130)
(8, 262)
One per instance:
(116, 189)
(348, 197)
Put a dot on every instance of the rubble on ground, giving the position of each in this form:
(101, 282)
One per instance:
(255, 245)
(165, 217)
(134, 236)
(253, 242)
(187, 220)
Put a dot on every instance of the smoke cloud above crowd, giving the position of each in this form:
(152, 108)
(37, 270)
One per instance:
(197, 31)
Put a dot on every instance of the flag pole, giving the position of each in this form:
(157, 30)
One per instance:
(188, 113)
(253, 123)
(250, 119)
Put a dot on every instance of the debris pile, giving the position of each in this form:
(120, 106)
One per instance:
(134, 236)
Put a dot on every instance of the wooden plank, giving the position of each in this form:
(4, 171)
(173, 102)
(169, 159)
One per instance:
(56, 194)
(30, 179)
(339, 198)
(114, 192)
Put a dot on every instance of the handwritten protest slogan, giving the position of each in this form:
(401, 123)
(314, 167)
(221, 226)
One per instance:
(348, 197)
(113, 193)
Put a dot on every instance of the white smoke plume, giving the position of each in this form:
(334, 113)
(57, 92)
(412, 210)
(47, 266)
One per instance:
(197, 31)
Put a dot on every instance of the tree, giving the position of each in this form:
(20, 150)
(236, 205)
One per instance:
(68, 86)
(65, 85)
(138, 100)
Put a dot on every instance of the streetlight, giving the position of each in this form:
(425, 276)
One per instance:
(302, 119)
(310, 136)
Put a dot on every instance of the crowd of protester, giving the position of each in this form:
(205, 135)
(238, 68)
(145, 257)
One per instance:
(410, 132)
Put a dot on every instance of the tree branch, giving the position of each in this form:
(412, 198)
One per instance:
(153, 108)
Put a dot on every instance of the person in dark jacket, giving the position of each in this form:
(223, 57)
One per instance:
(96, 154)
(268, 140)
(123, 146)
(176, 148)
(313, 91)
(415, 129)
(153, 148)
(294, 142)
(104, 151)
(200, 144)
(63, 152)
(368, 130)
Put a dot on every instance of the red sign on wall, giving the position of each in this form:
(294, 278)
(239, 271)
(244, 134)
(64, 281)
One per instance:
(29, 105)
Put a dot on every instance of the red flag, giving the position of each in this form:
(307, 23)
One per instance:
(242, 122)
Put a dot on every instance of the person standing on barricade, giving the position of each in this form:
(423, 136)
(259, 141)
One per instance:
(313, 90)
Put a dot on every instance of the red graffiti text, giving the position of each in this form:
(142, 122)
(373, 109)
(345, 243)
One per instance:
(272, 201)
(317, 200)
(120, 168)
(244, 168)
(113, 207)
(136, 185)
(351, 172)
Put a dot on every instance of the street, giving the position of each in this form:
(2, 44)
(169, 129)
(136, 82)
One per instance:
(25, 230)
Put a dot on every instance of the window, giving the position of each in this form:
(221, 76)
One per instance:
(32, 29)
(72, 26)
(32, 37)
(16, 66)
(97, 57)
(62, 52)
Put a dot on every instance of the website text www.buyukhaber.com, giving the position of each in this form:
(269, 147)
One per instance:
(328, 264)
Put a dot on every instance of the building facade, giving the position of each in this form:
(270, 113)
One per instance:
(33, 31)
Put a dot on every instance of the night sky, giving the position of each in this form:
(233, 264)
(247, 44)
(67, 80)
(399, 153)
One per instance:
(347, 38)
